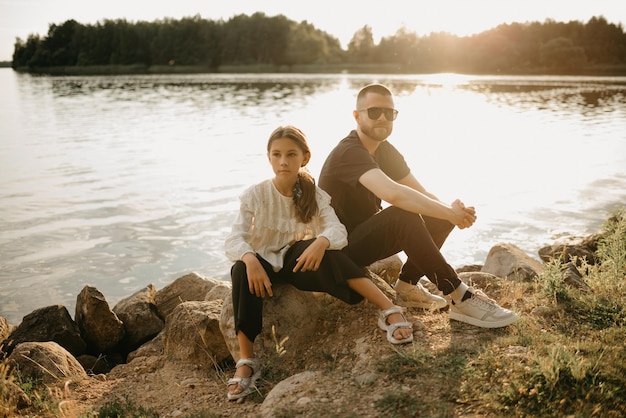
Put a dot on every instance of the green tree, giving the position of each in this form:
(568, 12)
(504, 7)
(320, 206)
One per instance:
(61, 44)
(259, 39)
(604, 43)
(361, 46)
(562, 54)
(24, 52)
(494, 52)
(305, 45)
(402, 48)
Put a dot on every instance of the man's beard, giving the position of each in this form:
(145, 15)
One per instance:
(378, 132)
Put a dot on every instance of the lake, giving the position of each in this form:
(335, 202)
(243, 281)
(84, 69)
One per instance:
(122, 181)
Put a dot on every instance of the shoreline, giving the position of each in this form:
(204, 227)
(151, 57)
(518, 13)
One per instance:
(616, 70)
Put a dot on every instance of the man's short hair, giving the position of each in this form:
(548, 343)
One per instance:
(374, 88)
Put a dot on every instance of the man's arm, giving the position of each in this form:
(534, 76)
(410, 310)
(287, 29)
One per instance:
(415, 200)
(414, 184)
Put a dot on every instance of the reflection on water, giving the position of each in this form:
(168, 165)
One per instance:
(123, 181)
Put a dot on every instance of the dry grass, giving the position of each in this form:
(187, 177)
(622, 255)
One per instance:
(564, 357)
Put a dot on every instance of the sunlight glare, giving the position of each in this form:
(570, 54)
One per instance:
(447, 80)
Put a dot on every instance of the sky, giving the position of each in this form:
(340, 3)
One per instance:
(339, 18)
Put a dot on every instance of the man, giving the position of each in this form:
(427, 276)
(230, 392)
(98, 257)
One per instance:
(365, 169)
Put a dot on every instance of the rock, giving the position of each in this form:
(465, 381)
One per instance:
(543, 311)
(98, 324)
(387, 269)
(517, 351)
(287, 394)
(572, 277)
(219, 292)
(47, 361)
(138, 366)
(362, 373)
(154, 347)
(52, 323)
(511, 263)
(293, 313)
(469, 268)
(383, 285)
(565, 252)
(5, 329)
(192, 333)
(192, 286)
(591, 241)
(94, 365)
(139, 315)
(486, 282)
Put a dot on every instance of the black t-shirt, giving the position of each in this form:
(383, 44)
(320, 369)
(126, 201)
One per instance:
(343, 167)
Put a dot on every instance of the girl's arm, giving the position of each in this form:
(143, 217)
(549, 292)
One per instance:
(312, 256)
(331, 235)
(237, 248)
(236, 243)
(258, 281)
(330, 226)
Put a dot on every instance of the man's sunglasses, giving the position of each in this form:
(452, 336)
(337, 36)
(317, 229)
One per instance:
(374, 113)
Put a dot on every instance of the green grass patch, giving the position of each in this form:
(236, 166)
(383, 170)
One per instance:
(570, 363)
(125, 408)
(395, 405)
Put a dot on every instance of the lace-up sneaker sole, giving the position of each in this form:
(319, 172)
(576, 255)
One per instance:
(482, 313)
(483, 323)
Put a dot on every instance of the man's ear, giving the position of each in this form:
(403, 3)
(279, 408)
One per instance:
(356, 115)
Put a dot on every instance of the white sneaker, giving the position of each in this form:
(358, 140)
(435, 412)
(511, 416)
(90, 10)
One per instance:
(417, 296)
(430, 286)
(481, 311)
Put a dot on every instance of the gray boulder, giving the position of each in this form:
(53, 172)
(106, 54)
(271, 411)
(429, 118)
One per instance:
(192, 333)
(290, 312)
(289, 394)
(191, 286)
(511, 263)
(219, 292)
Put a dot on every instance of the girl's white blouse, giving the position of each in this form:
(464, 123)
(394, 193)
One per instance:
(267, 225)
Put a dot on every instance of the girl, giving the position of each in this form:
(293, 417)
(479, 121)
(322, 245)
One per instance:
(287, 231)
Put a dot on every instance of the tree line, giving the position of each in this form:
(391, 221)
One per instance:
(516, 48)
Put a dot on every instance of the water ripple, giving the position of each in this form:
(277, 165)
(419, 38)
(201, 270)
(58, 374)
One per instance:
(122, 181)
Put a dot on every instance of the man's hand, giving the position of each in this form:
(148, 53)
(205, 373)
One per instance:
(258, 281)
(464, 216)
(311, 258)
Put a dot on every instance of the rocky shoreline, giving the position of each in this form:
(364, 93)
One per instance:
(188, 325)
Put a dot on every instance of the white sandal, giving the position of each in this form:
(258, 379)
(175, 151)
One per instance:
(247, 383)
(391, 328)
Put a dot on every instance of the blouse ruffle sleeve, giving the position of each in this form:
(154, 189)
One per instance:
(236, 243)
(330, 226)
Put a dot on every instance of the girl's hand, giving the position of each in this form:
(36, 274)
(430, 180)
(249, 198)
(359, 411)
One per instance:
(258, 281)
(311, 258)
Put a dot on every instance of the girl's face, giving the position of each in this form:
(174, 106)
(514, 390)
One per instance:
(286, 158)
